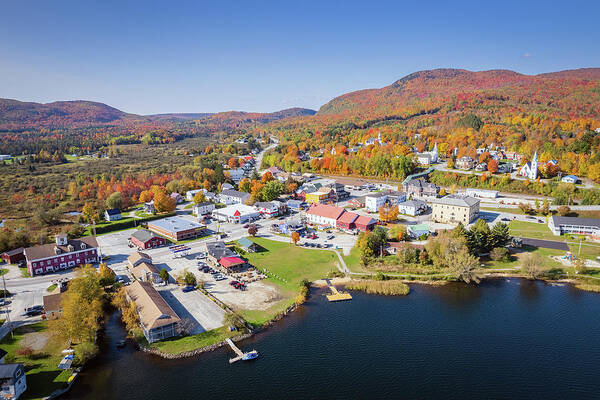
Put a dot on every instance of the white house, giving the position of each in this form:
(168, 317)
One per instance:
(203, 208)
(428, 157)
(577, 226)
(570, 179)
(189, 195)
(412, 207)
(324, 214)
(267, 208)
(114, 214)
(530, 169)
(375, 200)
(229, 197)
(236, 174)
(236, 213)
(482, 193)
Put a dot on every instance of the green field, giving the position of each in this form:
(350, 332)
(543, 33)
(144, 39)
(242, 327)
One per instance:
(193, 342)
(43, 376)
(514, 261)
(291, 264)
(533, 230)
(287, 266)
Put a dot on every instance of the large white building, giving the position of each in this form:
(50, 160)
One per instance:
(412, 207)
(577, 226)
(204, 208)
(428, 157)
(454, 209)
(229, 197)
(375, 200)
(236, 213)
(324, 214)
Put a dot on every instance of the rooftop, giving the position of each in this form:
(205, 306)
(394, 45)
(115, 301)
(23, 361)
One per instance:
(113, 211)
(143, 235)
(576, 221)
(459, 201)
(325, 210)
(235, 193)
(48, 250)
(152, 308)
(175, 224)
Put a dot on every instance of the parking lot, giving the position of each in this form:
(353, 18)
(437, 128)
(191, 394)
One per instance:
(201, 312)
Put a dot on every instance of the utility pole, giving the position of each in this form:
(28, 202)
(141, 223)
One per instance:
(579, 253)
(6, 309)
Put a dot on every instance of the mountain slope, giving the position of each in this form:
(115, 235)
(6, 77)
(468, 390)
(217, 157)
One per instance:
(562, 93)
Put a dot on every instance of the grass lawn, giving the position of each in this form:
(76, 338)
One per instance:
(51, 287)
(43, 375)
(261, 317)
(588, 250)
(3, 271)
(24, 272)
(189, 343)
(353, 261)
(291, 264)
(514, 261)
(533, 230)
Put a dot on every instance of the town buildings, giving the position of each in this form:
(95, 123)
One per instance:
(144, 239)
(12, 380)
(530, 169)
(267, 209)
(203, 208)
(420, 188)
(236, 213)
(190, 194)
(53, 305)
(114, 214)
(176, 228)
(229, 197)
(157, 319)
(13, 256)
(465, 162)
(177, 197)
(320, 196)
(323, 214)
(375, 200)
(570, 179)
(577, 226)
(412, 207)
(63, 254)
(482, 193)
(428, 157)
(455, 209)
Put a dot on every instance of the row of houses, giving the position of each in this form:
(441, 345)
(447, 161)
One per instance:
(336, 217)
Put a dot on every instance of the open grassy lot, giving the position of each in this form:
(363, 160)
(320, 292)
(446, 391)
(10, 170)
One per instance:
(514, 261)
(287, 266)
(532, 230)
(193, 342)
(290, 264)
(353, 261)
(41, 367)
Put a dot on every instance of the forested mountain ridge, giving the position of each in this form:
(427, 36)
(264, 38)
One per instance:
(558, 92)
(556, 114)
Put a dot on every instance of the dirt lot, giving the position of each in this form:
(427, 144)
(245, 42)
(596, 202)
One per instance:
(257, 296)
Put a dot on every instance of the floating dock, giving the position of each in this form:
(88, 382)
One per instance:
(240, 354)
(336, 295)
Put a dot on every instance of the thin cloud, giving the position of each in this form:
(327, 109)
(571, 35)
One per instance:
(526, 55)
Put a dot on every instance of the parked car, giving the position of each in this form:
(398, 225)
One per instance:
(232, 283)
(188, 289)
(330, 237)
(246, 226)
(505, 219)
(219, 277)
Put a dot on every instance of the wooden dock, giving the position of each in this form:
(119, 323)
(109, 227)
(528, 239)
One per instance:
(236, 350)
(336, 295)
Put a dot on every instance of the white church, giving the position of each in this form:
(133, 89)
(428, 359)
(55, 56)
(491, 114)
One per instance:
(530, 169)
(428, 157)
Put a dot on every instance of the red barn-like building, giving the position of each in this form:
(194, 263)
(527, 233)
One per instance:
(144, 239)
(13, 256)
(364, 223)
(346, 221)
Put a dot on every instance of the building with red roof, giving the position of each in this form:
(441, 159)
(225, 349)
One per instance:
(231, 262)
(324, 214)
(364, 223)
(346, 221)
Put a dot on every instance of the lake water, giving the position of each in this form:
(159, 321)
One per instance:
(504, 339)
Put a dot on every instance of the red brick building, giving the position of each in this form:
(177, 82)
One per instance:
(177, 228)
(144, 239)
(63, 254)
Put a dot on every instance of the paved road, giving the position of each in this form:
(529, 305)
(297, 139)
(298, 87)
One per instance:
(546, 244)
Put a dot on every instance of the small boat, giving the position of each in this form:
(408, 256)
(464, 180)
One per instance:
(121, 343)
(250, 355)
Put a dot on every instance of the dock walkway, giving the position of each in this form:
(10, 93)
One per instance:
(336, 295)
(240, 354)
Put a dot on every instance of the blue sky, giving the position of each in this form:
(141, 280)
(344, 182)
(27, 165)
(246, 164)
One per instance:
(190, 56)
